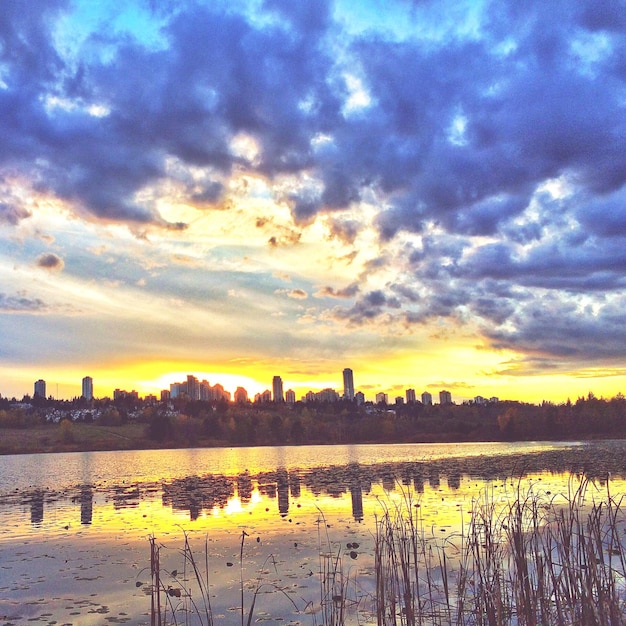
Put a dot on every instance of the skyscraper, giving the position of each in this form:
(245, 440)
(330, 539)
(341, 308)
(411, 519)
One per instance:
(88, 388)
(277, 388)
(348, 384)
(445, 397)
(40, 388)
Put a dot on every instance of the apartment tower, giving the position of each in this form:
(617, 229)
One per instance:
(348, 384)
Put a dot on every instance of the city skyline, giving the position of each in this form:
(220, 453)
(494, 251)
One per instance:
(193, 387)
(433, 194)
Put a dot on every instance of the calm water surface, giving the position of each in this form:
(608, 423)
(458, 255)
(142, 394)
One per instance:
(74, 528)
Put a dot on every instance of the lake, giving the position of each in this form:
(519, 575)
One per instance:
(76, 528)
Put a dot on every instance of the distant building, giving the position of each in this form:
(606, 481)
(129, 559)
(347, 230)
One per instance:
(382, 398)
(399, 400)
(348, 384)
(40, 388)
(204, 391)
(359, 396)
(175, 390)
(88, 388)
(165, 395)
(290, 396)
(480, 400)
(427, 398)
(121, 394)
(193, 388)
(445, 397)
(241, 395)
(277, 389)
(266, 396)
(410, 396)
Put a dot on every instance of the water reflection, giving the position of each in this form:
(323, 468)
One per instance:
(36, 507)
(353, 486)
(86, 505)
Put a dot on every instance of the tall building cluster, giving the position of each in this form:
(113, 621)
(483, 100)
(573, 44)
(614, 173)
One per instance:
(198, 390)
(193, 389)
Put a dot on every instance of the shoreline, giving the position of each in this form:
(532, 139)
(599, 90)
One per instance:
(50, 439)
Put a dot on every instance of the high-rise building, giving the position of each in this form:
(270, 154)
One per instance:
(359, 396)
(445, 397)
(410, 396)
(241, 395)
(348, 384)
(193, 388)
(88, 388)
(175, 390)
(40, 388)
(290, 396)
(427, 398)
(277, 388)
(382, 398)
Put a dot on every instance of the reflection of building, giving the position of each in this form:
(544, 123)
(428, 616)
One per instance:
(88, 388)
(348, 384)
(86, 504)
(36, 507)
(418, 483)
(357, 500)
(282, 486)
(434, 478)
(294, 485)
(40, 388)
(198, 493)
(454, 480)
(389, 482)
(277, 388)
(244, 487)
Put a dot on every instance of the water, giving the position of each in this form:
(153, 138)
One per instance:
(74, 545)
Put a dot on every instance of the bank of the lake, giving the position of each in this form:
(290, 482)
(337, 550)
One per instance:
(82, 437)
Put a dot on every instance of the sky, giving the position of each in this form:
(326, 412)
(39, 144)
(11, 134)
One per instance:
(432, 194)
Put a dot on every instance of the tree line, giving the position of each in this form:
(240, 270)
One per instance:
(186, 422)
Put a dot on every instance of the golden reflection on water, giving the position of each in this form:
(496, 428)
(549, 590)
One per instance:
(96, 532)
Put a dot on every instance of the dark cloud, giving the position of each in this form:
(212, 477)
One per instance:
(21, 304)
(50, 262)
(552, 327)
(346, 292)
(11, 213)
(455, 141)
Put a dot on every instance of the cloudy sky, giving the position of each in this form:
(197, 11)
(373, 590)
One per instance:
(433, 194)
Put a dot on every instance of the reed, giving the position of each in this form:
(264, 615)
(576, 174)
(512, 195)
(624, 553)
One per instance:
(538, 560)
(532, 560)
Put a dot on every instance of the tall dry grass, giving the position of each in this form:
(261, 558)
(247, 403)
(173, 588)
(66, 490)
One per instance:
(537, 561)
(534, 560)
